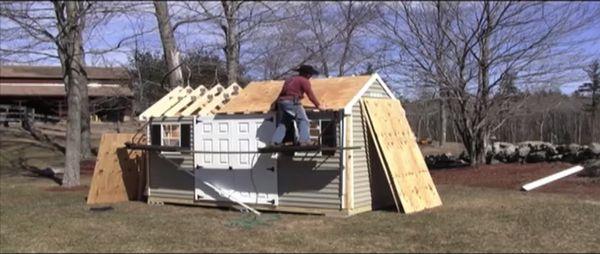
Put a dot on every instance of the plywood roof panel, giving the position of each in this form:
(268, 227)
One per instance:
(334, 93)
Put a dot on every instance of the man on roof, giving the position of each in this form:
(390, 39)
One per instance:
(288, 104)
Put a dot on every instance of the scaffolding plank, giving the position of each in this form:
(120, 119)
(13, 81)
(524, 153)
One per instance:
(400, 153)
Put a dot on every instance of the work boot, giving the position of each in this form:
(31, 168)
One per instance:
(309, 143)
(275, 144)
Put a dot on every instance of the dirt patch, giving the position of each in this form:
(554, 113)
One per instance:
(513, 176)
(71, 189)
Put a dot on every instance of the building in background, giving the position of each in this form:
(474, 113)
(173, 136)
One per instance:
(42, 89)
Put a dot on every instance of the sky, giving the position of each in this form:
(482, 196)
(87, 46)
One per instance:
(190, 37)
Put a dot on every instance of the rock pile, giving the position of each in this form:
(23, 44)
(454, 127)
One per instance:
(524, 152)
(591, 168)
(538, 151)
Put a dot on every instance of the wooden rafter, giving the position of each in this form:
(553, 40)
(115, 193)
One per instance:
(199, 103)
(187, 100)
(219, 100)
(149, 112)
(173, 101)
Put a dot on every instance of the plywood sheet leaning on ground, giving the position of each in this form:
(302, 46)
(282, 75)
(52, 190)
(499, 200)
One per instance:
(400, 154)
(119, 173)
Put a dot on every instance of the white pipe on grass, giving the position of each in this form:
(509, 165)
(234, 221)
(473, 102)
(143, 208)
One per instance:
(551, 178)
(222, 194)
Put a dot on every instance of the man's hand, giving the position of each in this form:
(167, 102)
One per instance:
(321, 107)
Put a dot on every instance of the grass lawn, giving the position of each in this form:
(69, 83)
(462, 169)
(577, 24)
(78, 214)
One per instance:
(472, 219)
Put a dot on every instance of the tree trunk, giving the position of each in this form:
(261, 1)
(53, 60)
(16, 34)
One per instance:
(443, 123)
(86, 149)
(172, 57)
(232, 43)
(71, 56)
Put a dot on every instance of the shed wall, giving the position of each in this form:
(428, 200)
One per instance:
(368, 188)
(309, 180)
(171, 174)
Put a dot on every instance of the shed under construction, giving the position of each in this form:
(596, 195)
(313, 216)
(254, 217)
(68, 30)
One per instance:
(370, 160)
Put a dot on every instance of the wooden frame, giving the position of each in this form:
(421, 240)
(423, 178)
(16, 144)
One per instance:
(202, 101)
(151, 111)
(197, 94)
(349, 173)
(166, 103)
(220, 100)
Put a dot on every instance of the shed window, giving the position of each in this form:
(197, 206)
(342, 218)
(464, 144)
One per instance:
(171, 135)
(155, 134)
(185, 136)
(328, 135)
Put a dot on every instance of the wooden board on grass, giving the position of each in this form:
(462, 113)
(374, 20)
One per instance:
(119, 173)
(400, 155)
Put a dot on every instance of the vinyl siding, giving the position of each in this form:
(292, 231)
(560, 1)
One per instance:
(171, 175)
(364, 185)
(309, 180)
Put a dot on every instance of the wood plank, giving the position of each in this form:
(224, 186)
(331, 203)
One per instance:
(187, 100)
(199, 103)
(149, 112)
(400, 152)
(335, 93)
(349, 163)
(118, 172)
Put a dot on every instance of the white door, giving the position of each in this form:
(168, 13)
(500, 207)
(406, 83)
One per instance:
(247, 177)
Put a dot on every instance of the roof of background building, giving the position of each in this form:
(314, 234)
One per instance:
(40, 81)
(55, 72)
(53, 90)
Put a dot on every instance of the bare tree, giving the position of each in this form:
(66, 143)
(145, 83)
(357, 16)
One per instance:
(333, 36)
(465, 50)
(236, 23)
(592, 89)
(66, 35)
(171, 52)
(70, 17)
(55, 31)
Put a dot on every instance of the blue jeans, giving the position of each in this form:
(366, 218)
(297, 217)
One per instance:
(296, 111)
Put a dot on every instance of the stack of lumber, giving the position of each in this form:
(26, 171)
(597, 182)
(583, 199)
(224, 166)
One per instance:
(407, 174)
